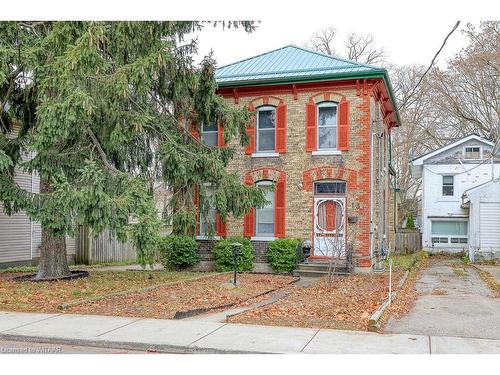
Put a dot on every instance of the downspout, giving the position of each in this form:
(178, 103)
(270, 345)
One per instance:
(372, 186)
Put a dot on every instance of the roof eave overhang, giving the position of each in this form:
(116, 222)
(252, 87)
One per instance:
(320, 78)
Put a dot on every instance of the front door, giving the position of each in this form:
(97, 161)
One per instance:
(329, 227)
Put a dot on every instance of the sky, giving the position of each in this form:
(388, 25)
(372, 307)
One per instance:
(410, 31)
(402, 48)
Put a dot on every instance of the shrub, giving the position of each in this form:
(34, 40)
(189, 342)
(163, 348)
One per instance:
(282, 254)
(178, 251)
(223, 255)
(410, 222)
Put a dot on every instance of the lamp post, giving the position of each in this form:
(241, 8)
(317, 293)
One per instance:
(236, 246)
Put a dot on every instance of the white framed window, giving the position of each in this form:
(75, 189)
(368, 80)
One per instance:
(448, 186)
(327, 126)
(264, 216)
(207, 222)
(472, 153)
(209, 134)
(450, 232)
(266, 129)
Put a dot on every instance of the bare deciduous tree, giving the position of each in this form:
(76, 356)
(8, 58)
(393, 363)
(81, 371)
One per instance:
(322, 41)
(362, 48)
(358, 47)
(467, 92)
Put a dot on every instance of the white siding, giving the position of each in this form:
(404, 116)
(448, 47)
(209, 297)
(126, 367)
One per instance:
(19, 237)
(489, 226)
(435, 205)
(15, 237)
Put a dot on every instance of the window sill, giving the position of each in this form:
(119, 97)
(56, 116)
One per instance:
(265, 155)
(326, 152)
(262, 238)
(199, 237)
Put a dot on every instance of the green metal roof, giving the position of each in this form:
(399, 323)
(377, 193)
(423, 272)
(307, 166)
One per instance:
(289, 62)
(292, 64)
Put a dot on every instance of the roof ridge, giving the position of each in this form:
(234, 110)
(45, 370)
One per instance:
(253, 57)
(335, 57)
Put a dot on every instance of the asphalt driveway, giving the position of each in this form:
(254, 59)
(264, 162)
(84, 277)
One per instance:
(452, 301)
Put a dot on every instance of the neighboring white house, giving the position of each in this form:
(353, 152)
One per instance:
(20, 237)
(483, 202)
(447, 173)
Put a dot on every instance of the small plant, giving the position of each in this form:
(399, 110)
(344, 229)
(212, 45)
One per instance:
(178, 252)
(410, 222)
(282, 254)
(223, 255)
(466, 259)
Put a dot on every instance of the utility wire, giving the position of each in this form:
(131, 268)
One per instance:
(429, 68)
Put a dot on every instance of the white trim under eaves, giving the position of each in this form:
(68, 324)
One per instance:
(265, 155)
(420, 160)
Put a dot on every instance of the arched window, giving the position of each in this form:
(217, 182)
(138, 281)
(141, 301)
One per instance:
(264, 216)
(327, 125)
(266, 128)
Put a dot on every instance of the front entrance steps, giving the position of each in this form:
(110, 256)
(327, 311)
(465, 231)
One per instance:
(318, 269)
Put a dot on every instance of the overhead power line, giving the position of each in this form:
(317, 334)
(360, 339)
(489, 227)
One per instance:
(429, 68)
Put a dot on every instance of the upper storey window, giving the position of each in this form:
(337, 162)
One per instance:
(472, 153)
(327, 126)
(266, 129)
(209, 134)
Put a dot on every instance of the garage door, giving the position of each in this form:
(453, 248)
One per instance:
(490, 226)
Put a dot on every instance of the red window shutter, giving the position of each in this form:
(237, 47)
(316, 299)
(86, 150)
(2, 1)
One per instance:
(220, 226)
(343, 126)
(249, 220)
(311, 127)
(220, 136)
(193, 130)
(250, 149)
(281, 128)
(279, 208)
(249, 224)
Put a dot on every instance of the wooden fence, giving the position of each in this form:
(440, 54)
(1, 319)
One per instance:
(408, 241)
(102, 249)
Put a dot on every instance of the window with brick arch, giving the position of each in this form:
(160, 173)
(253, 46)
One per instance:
(264, 216)
(327, 125)
(266, 128)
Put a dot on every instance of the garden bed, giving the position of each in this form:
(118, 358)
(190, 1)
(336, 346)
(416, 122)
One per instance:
(164, 302)
(347, 303)
(47, 296)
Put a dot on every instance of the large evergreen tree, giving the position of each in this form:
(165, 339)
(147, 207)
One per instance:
(105, 110)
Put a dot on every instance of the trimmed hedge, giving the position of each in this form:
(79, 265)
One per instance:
(178, 252)
(282, 254)
(223, 255)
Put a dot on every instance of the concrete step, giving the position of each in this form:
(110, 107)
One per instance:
(316, 273)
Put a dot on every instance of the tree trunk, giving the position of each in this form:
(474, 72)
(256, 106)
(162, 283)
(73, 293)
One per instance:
(53, 261)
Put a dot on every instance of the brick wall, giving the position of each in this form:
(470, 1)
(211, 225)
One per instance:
(301, 168)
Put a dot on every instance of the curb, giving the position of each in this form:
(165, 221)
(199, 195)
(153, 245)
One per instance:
(373, 322)
(160, 348)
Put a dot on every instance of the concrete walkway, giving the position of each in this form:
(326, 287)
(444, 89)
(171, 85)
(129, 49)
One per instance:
(453, 301)
(181, 336)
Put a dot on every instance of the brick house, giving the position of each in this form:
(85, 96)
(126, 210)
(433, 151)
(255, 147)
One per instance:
(321, 136)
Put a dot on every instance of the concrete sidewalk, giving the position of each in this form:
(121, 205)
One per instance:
(179, 336)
